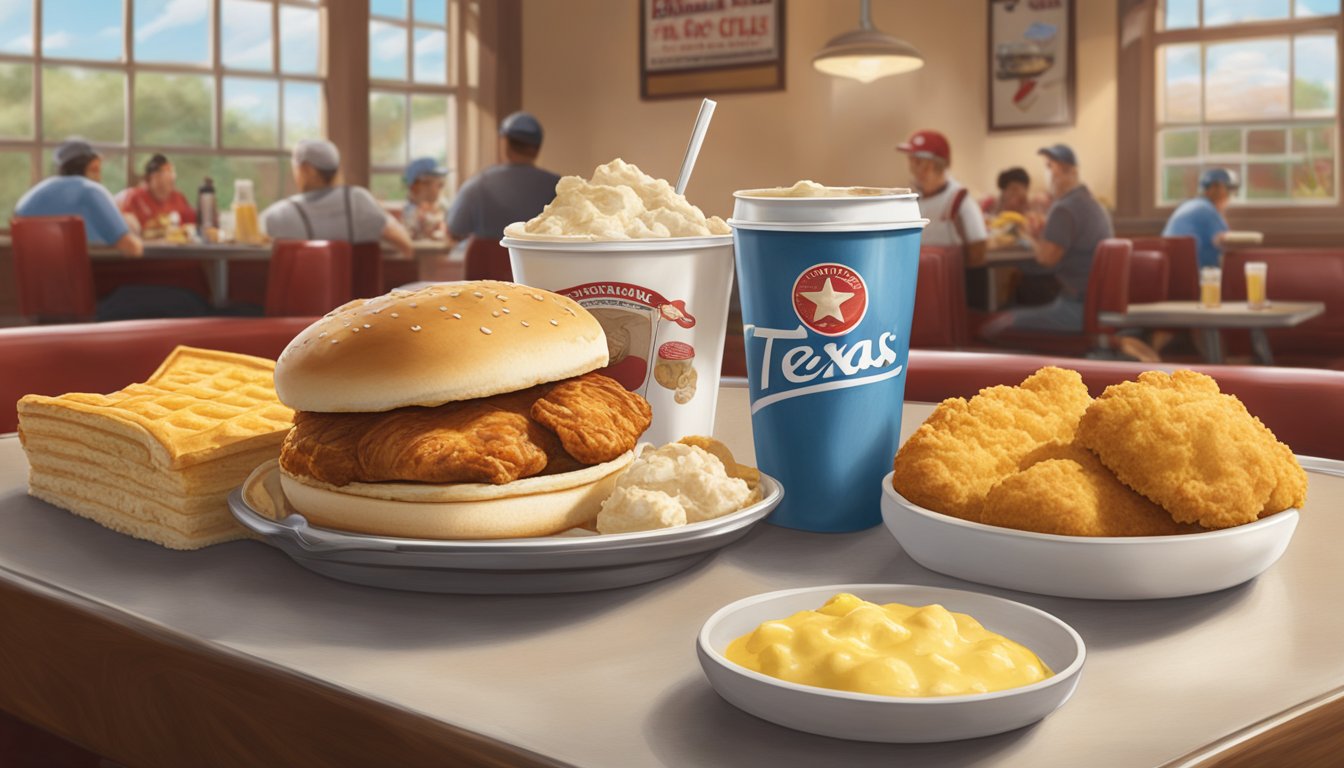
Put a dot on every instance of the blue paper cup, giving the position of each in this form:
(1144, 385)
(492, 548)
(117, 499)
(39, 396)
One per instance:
(828, 291)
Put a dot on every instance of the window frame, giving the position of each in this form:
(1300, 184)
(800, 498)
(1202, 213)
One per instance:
(1139, 207)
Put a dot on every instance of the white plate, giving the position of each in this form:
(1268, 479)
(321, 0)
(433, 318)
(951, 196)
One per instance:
(1099, 568)
(1234, 237)
(868, 717)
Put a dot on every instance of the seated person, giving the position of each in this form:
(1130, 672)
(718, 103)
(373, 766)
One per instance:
(76, 191)
(954, 218)
(155, 203)
(1201, 217)
(423, 215)
(324, 210)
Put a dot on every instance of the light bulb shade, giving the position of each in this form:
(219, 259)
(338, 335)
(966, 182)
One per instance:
(866, 55)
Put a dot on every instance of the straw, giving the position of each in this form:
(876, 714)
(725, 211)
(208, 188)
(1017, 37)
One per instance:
(697, 138)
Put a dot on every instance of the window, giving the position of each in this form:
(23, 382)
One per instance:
(1252, 86)
(223, 87)
(413, 94)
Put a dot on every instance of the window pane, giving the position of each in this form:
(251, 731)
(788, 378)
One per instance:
(1225, 141)
(1314, 65)
(263, 171)
(251, 113)
(303, 112)
(1180, 143)
(114, 168)
(298, 40)
(1266, 181)
(174, 110)
(16, 101)
(394, 8)
(16, 19)
(1180, 78)
(1179, 182)
(1314, 179)
(1317, 7)
(387, 51)
(15, 178)
(429, 127)
(1314, 140)
(172, 30)
(431, 56)
(1221, 12)
(387, 186)
(1271, 141)
(245, 34)
(1247, 79)
(78, 29)
(387, 128)
(436, 12)
(1180, 14)
(83, 102)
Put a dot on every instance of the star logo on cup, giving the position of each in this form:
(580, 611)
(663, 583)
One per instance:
(830, 299)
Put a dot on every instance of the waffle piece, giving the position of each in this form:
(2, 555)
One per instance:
(157, 460)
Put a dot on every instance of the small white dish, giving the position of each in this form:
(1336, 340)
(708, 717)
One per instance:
(893, 719)
(1097, 568)
(1243, 237)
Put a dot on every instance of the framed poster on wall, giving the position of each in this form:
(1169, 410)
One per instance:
(1031, 63)
(703, 47)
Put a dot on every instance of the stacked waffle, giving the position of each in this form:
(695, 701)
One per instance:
(157, 460)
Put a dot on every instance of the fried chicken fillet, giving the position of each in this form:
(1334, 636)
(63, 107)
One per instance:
(488, 440)
(1197, 452)
(1064, 489)
(950, 463)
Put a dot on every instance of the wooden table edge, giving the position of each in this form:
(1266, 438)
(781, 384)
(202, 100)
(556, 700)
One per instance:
(145, 695)
(1307, 734)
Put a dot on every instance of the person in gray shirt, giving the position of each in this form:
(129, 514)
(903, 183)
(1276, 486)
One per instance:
(1074, 226)
(514, 190)
(324, 210)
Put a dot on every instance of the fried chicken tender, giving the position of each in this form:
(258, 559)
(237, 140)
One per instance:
(950, 463)
(595, 417)
(1064, 489)
(1197, 452)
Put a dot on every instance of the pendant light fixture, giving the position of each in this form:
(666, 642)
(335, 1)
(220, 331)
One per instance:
(866, 54)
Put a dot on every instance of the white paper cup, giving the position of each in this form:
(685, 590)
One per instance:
(663, 303)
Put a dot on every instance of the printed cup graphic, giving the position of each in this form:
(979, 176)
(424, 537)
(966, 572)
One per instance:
(663, 304)
(828, 288)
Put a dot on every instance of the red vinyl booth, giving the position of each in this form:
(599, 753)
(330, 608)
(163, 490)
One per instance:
(940, 299)
(1295, 274)
(487, 260)
(308, 278)
(51, 268)
(1148, 277)
(1182, 265)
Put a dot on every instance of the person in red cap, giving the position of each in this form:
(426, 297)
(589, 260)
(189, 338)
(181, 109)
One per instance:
(954, 217)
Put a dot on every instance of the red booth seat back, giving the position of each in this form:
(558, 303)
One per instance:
(1108, 285)
(487, 260)
(1148, 277)
(52, 269)
(940, 299)
(1182, 264)
(308, 278)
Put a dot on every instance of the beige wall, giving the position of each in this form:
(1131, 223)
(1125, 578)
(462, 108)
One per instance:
(581, 78)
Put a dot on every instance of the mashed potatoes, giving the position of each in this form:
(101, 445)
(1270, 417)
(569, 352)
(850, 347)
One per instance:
(620, 202)
(673, 485)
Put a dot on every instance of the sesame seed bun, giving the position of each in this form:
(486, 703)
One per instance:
(440, 344)
(534, 506)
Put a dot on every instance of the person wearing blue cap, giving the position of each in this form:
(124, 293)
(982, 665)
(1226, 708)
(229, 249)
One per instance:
(1063, 248)
(423, 214)
(76, 190)
(514, 190)
(1201, 217)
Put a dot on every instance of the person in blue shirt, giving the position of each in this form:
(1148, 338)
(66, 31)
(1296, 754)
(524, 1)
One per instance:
(76, 191)
(1202, 217)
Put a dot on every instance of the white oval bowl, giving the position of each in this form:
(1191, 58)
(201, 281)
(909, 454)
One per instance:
(1093, 567)
(893, 719)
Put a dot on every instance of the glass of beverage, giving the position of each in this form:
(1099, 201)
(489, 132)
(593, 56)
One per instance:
(246, 229)
(1256, 272)
(827, 277)
(1210, 287)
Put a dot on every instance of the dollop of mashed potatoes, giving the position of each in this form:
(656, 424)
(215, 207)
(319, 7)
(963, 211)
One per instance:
(670, 486)
(620, 202)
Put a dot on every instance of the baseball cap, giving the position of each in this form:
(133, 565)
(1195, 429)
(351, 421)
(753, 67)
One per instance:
(521, 126)
(1060, 153)
(320, 154)
(423, 166)
(73, 149)
(927, 144)
(1218, 176)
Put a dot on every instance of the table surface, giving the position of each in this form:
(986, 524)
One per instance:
(611, 678)
(1008, 256)
(1231, 314)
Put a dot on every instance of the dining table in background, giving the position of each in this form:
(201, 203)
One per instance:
(160, 658)
(1210, 322)
(997, 268)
